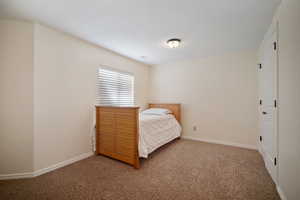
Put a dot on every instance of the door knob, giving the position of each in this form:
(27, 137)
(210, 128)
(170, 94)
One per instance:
(264, 113)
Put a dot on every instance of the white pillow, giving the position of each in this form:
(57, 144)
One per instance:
(156, 111)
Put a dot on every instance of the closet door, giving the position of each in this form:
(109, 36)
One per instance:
(268, 104)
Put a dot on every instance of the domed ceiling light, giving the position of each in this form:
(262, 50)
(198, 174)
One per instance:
(173, 43)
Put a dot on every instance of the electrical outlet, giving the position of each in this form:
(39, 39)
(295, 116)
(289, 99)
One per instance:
(194, 128)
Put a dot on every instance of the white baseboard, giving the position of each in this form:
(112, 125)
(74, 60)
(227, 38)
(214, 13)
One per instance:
(62, 164)
(280, 192)
(47, 169)
(245, 146)
(16, 176)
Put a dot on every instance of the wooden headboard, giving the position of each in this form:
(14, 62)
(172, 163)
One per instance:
(174, 108)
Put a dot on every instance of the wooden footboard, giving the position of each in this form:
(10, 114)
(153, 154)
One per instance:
(117, 133)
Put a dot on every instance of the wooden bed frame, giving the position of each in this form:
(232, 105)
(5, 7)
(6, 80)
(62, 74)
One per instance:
(117, 131)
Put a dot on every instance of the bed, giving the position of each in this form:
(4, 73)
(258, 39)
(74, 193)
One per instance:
(125, 134)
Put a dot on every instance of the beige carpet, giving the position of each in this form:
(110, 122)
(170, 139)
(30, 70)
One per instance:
(183, 170)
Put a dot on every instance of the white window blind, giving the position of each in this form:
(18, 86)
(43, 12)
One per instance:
(114, 88)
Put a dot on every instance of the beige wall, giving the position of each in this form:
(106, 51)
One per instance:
(16, 97)
(48, 88)
(218, 95)
(64, 93)
(288, 17)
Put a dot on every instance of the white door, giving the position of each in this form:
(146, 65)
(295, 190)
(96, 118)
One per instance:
(268, 104)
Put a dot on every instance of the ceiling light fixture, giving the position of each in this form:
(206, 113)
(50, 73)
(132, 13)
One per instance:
(173, 43)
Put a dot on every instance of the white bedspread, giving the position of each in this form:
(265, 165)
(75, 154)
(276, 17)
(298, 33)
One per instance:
(155, 131)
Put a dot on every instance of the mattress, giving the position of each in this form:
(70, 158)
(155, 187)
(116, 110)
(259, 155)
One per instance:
(155, 131)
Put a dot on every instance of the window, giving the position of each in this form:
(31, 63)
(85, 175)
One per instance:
(114, 88)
